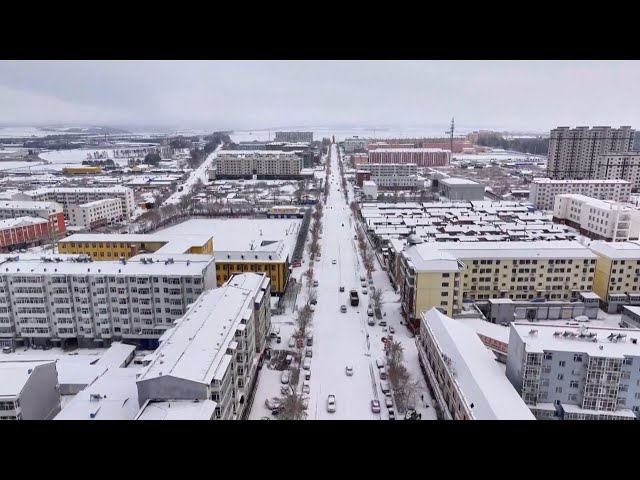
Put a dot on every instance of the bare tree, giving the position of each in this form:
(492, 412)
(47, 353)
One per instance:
(184, 203)
(303, 321)
(292, 406)
(395, 353)
(370, 262)
(309, 274)
(376, 298)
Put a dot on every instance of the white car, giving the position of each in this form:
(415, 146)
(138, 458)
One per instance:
(391, 329)
(292, 342)
(343, 309)
(349, 371)
(285, 377)
(306, 387)
(370, 311)
(375, 406)
(334, 262)
(388, 401)
(331, 403)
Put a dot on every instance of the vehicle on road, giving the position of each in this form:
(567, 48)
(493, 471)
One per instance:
(343, 308)
(365, 291)
(265, 418)
(380, 363)
(292, 342)
(349, 371)
(331, 403)
(355, 298)
(279, 339)
(363, 280)
(315, 283)
(272, 404)
(388, 401)
(382, 323)
(306, 387)
(371, 322)
(308, 353)
(306, 365)
(384, 386)
(363, 284)
(342, 288)
(383, 373)
(375, 406)
(275, 331)
(334, 261)
(370, 311)
(285, 377)
(309, 339)
(391, 329)
(392, 414)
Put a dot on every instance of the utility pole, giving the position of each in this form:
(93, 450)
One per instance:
(453, 126)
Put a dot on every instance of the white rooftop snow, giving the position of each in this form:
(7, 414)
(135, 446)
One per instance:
(177, 410)
(14, 376)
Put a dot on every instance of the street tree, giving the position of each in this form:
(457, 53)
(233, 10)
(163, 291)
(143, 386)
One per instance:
(292, 406)
(376, 298)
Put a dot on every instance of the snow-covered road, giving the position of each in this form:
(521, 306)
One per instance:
(199, 173)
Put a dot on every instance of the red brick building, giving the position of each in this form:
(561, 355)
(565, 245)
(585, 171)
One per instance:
(362, 176)
(26, 208)
(422, 157)
(23, 232)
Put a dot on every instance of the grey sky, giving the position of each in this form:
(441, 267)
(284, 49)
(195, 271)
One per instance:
(525, 95)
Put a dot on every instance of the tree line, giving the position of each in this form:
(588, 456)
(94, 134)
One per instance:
(536, 146)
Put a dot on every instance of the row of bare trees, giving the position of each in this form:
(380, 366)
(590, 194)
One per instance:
(405, 388)
(367, 254)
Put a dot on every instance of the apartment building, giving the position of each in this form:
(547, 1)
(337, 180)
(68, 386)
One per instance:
(108, 247)
(354, 144)
(467, 382)
(623, 166)
(447, 274)
(597, 219)
(50, 211)
(574, 153)
(68, 299)
(543, 191)
(576, 373)
(263, 163)
(23, 232)
(392, 175)
(80, 195)
(294, 137)
(422, 157)
(460, 189)
(96, 214)
(189, 365)
(28, 390)
(617, 279)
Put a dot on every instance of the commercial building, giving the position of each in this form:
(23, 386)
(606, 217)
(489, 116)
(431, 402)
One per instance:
(50, 211)
(107, 246)
(286, 211)
(359, 158)
(81, 195)
(96, 214)
(446, 274)
(294, 137)
(598, 219)
(81, 170)
(543, 191)
(392, 175)
(460, 189)
(28, 390)
(370, 190)
(67, 299)
(213, 351)
(422, 157)
(576, 373)
(596, 153)
(617, 278)
(467, 382)
(355, 144)
(23, 232)
(262, 163)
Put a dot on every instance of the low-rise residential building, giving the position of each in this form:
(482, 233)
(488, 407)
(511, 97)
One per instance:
(543, 191)
(576, 373)
(467, 382)
(23, 232)
(597, 219)
(262, 163)
(213, 351)
(96, 214)
(50, 211)
(392, 175)
(630, 317)
(506, 310)
(617, 279)
(370, 190)
(68, 299)
(28, 390)
(460, 189)
(67, 196)
(422, 157)
(447, 274)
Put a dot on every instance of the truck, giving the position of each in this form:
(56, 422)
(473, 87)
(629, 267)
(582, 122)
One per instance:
(355, 298)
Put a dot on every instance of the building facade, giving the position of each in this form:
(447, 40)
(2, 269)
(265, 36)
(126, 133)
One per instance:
(263, 163)
(422, 157)
(392, 175)
(460, 189)
(29, 390)
(64, 299)
(188, 365)
(294, 137)
(580, 153)
(467, 382)
(597, 219)
(543, 191)
(617, 279)
(576, 373)
(96, 214)
(355, 144)
(23, 232)
(622, 166)
(50, 211)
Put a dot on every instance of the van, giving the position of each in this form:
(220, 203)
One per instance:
(383, 373)
(307, 364)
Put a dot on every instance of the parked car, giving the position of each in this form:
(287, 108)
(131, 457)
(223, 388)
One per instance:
(334, 262)
(363, 284)
(343, 308)
(306, 387)
(308, 353)
(370, 311)
(363, 279)
(388, 401)
(383, 373)
(307, 374)
(349, 371)
(342, 288)
(384, 386)
(306, 365)
(315, 283)
(371, 322)
(309, 339)
(365, 291)
(391, 329)
(392, 414)
(265, 418)
(285, 377)
(279, 339)
(382, 323)
(375, 406)
(313, 302)
(379, 363)
(331, 403)
(312, 307)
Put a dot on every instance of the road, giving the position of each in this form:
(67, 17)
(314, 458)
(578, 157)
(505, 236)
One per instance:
(199, 173)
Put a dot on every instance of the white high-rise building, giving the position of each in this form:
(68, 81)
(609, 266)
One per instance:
(543, 191)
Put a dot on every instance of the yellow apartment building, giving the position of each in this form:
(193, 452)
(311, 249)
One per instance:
(81, 170)
(448, 274)
(275, 266)
(617, 274)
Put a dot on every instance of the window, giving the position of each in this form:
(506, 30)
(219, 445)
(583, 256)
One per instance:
(561, 363)
(573, 384)
(577, 357)
(444, 294)
(558, 389)
(560, 376)
(548, 356)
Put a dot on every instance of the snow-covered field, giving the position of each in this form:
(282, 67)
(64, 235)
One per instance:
(342, 339)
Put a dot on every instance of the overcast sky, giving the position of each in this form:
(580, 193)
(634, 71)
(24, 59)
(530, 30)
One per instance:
(516, 95)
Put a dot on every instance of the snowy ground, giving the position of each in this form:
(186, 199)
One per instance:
(342, 339)
(199, 173)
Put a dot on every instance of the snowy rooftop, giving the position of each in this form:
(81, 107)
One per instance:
(617, 250)
(595, 202)
(116, 355)
(97, 203)
(458, 181)
(28, 204)
(400, 150)
(606, 182)
(195, 349)
(177, 410)
(631, 309)
(432, 259)
(231, 235)
(594, 341)
(243, 153)
(112, 396)
(114, 189)
(14, 376)
(194, 238)
(625, 413)
(21, 222)
(480, 379)
(488, 329)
